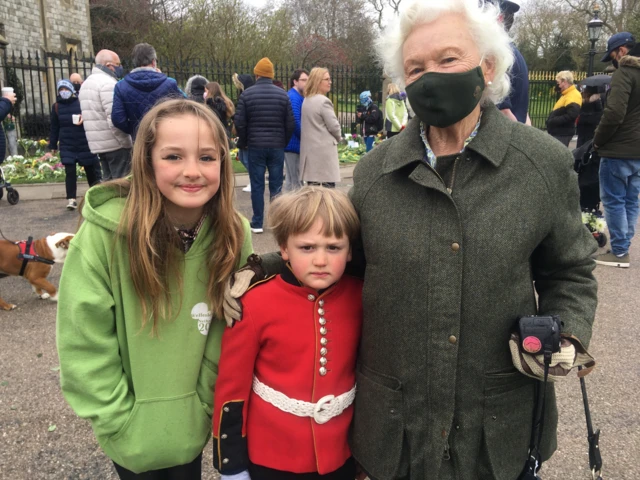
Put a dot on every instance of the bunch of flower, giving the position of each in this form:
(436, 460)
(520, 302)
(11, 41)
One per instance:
(594, 222)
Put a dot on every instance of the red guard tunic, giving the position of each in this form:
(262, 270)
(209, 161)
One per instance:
(302, 344)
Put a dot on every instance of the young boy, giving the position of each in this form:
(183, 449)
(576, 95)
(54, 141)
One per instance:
(283, 397)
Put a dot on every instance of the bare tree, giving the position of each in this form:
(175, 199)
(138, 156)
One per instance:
(616, 14)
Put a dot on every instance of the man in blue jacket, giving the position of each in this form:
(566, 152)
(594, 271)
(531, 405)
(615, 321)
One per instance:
(140, 90)
(264, 123)
(292, 151)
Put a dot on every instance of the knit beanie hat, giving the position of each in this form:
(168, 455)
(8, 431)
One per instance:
(65, 84)
(264, 68)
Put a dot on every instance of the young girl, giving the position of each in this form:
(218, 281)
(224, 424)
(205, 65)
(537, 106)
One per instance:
(287, 370)
(220, 104)
(142, 282)
(67, 135)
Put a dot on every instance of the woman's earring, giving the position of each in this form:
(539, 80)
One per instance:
(489, 83)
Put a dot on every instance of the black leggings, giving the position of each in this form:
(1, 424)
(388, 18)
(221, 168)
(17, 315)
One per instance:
(190, 471)
(71, 181)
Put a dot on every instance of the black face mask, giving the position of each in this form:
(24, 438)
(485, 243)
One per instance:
(76, 87)
(442, 99)
(614, 62)
(558, 89)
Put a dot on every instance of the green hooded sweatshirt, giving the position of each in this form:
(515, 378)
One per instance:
(149, 399)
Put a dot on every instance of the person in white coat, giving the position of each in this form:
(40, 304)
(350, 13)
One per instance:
(320, 133)
(112, 146)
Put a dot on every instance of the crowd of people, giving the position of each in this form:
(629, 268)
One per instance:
(382, 339)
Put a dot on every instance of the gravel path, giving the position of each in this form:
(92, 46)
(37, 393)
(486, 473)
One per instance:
(41, 438)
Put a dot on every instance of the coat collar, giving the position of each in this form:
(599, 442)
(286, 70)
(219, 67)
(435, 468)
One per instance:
(491, 142)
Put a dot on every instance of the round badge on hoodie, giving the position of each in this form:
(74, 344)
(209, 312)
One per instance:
(202, 314)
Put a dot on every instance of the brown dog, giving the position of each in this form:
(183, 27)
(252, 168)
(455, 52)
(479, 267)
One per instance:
(54, 248)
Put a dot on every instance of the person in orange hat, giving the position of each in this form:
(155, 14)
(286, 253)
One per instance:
(265, 123)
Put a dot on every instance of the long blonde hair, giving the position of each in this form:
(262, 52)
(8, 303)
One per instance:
(313, 83)
(215, 90)
(153, 245)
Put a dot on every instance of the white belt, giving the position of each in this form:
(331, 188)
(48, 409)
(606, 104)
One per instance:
(327, 407)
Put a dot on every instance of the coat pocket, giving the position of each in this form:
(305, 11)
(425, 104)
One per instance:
(509, 400)
(160, 433)
(377, 433)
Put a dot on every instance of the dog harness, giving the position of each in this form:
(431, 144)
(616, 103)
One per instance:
(28, 254)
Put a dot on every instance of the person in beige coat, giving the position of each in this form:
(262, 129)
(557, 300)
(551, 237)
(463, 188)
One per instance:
(320, 133)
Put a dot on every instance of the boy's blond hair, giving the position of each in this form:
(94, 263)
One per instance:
(296, 212)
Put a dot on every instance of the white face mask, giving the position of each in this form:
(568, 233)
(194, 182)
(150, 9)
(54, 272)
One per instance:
(65, 94)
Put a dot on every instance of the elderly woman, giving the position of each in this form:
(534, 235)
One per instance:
(465, 217)
(320, 133)
(561, 123)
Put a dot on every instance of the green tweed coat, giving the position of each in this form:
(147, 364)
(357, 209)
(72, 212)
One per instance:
(447, 274)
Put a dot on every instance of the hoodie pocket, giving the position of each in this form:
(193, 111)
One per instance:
(378, 427)
(161, 433)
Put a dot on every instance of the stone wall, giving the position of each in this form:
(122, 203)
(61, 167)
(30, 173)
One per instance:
(40, 26)
(66, 24)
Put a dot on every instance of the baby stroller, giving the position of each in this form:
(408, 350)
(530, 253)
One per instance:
(587, 166)
(12, 194)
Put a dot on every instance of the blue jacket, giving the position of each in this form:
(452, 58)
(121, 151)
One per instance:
(137, 93)
(71, 138)
(518, 99)
(296, 105)
(5, 109)
(264, 118)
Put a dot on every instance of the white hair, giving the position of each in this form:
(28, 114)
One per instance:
(488, 33)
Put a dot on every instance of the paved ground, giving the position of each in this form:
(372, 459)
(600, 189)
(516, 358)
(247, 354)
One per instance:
(31, 403)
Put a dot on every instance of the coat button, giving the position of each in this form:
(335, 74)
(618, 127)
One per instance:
(453, 340)
(322, 321)
(455, 246)
(223, 436)
(323, 351)
(323, 361)
(225, 460)
(311, 298)
(323, 371)
(321, 303)
(323, 330)
(226, 409)
(323, 341)
(321, 311)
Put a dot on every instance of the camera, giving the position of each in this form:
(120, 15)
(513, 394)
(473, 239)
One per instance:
(539, 333)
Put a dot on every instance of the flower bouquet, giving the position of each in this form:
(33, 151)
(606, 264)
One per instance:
(596, 225)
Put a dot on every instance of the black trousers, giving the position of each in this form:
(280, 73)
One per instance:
(321, 184)
(190, 471)
(345, 472)
(71, 182)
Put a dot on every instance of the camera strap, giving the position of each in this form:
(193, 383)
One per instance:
(534, 462)
(595, 458)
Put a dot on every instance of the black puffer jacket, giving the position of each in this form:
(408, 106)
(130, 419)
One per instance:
(67, 137)
(590, 115)
(264, 118)
(371, 120)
